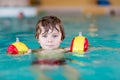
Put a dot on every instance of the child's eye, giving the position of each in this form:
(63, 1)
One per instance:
(44, 36)
(54, 36)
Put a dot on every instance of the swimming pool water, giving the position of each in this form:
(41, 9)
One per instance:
(101, 62)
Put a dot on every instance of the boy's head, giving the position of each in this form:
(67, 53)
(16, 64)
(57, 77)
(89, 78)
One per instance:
(49, 32)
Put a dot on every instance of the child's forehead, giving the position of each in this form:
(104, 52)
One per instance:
(53, 31)
(50, 30)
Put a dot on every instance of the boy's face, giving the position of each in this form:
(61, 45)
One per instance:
(50, 40)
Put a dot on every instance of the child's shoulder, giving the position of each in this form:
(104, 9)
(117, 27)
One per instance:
(58, 50)
(36, 50)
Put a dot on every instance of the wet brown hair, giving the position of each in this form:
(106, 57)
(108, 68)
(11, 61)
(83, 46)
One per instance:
(49, 22)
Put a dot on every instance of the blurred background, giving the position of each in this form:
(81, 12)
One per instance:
(29, 8)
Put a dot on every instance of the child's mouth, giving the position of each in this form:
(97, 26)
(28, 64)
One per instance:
(50, 45)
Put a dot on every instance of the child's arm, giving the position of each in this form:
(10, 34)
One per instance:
(33, 51)
(66, 49)
(36, 50)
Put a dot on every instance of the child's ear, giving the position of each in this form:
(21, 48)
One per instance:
(37, 39)
(61, 40)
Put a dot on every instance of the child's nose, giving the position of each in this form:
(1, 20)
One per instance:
(50, 40)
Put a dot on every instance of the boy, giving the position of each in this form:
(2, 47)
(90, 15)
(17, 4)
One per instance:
(49, 34)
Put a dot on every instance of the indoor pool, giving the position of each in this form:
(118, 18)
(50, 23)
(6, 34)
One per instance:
(101, 61)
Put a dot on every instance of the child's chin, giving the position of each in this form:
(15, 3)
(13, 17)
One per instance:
(49, 48)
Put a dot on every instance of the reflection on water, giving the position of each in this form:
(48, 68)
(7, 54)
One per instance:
(93, 29)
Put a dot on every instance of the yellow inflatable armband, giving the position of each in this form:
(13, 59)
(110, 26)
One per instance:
(17, 48)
